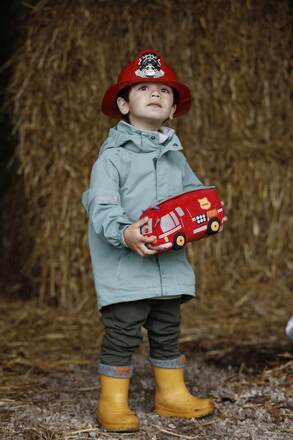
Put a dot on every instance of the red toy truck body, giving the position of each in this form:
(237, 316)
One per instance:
(183, 218)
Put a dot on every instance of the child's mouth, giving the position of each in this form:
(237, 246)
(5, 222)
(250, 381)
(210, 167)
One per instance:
(155, 104)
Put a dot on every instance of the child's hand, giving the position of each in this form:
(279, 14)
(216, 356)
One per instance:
(136, 241)
(224, 219)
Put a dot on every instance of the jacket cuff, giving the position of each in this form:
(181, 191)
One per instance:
(118, 372)
(122, 236)
(178, 362)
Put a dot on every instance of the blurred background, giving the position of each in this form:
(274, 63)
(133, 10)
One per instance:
(58, 58)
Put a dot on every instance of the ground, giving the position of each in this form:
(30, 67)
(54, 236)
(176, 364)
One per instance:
(49, 387)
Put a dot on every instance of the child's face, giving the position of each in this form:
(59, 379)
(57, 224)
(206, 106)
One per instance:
(149, 105)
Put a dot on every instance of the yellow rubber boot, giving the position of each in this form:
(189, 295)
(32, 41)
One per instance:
(173, 399)
(113, 412)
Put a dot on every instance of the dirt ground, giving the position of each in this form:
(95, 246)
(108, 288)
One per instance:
(49, 385)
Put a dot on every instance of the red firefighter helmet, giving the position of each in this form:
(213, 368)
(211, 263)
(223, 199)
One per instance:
(148, 66)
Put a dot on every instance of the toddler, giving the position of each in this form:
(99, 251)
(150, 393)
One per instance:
(140, 163)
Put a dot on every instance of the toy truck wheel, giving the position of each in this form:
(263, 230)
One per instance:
(213, 226)
(179, 241)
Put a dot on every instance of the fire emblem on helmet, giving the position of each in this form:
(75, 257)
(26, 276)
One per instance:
(149, 66)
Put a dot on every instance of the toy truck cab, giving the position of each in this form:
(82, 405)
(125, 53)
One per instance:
(184, 218)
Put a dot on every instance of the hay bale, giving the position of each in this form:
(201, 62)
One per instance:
(235, 57)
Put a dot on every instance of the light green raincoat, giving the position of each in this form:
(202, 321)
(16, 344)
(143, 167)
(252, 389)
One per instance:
(135, 169)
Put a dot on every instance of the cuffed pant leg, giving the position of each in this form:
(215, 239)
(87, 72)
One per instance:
(163, 325)
(178, 362)
(121, 372)
(122, 336)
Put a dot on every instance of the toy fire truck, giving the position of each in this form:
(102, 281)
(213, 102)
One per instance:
(183, 218)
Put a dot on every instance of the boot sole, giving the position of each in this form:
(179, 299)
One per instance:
(117, 427)
(167, 412)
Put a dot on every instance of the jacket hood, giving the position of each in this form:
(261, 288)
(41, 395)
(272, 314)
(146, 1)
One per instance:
(135, 139)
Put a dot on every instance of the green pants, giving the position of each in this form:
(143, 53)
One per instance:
(123, 323)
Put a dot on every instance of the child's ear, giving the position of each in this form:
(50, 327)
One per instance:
(173, 110)
(122, 105)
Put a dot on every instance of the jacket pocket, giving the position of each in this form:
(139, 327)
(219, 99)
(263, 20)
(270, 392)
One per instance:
(136, 272)
(120, 261)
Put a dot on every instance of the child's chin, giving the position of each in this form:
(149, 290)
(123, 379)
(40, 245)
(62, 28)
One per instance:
(156, 116)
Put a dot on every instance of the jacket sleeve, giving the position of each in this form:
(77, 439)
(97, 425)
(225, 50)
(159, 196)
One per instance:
(102, 202)
(190, 179)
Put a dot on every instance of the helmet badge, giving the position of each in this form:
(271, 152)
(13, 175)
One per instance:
(149, 66)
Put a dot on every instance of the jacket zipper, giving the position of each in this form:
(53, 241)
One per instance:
(160, 273)
(155, 160)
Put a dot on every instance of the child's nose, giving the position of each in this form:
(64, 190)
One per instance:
(155, 92)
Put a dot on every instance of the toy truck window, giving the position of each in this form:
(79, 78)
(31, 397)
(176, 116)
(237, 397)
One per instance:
(179, 211)
(174, 217)
(167, 223)
(147, 228)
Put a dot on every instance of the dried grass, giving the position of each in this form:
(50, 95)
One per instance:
(49, 385)
(235, 56)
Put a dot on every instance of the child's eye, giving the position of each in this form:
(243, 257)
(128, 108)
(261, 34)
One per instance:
(142, 88)
(165, 90)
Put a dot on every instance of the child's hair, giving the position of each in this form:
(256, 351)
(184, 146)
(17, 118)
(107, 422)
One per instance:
(124, 93)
